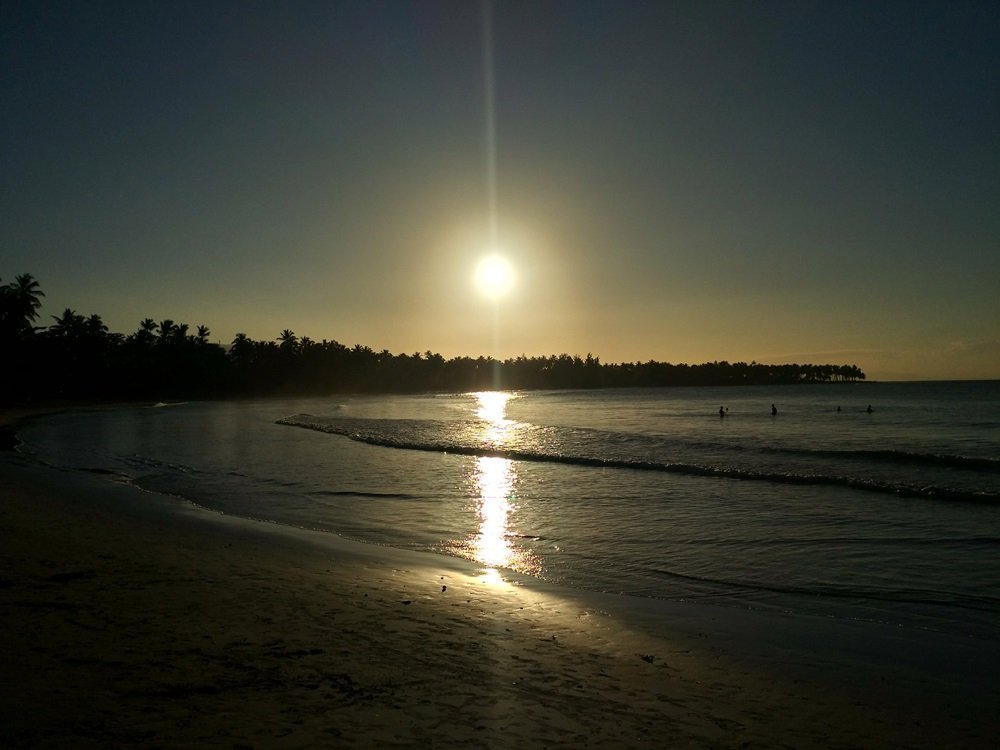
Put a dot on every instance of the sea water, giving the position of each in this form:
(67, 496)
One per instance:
(825, 508)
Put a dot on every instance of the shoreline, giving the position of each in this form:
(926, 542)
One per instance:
(134, 617)
(13, 415)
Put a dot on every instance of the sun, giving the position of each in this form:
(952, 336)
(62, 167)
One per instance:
(494, 276)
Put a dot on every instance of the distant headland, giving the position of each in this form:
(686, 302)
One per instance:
(77, 358)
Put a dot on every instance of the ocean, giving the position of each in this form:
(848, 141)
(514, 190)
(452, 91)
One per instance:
(825, 508)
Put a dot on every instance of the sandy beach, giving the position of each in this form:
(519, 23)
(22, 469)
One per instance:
(135, 620)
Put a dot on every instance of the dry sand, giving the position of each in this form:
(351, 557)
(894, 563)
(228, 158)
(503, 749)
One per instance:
(133, 620)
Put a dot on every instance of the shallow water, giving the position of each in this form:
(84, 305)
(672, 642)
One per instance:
(892, 515)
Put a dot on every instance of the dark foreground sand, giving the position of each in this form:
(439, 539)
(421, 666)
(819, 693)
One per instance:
(128, 623)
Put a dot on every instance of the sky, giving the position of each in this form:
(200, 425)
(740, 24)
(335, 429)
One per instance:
(679, 181)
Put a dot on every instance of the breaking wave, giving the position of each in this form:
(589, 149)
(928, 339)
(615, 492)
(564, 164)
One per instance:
(594, 448)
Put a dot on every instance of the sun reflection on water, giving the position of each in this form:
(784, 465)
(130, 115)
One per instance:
(493, 410)
(493, 405)
(495, 481)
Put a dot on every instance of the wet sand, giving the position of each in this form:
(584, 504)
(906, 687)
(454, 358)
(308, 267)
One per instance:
(135, 620)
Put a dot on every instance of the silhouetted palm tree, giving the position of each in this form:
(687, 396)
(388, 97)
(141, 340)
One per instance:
(19, 303)
(289, 341)
(166, 330)
(69, 325)
(96, 327)
(145, 334)
(27, 291)
(241, 348)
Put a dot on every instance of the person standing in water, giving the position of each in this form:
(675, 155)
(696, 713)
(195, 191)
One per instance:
(774, 410)
(869, 409)
(722, 412)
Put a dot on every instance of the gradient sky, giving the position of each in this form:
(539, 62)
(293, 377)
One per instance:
(686, 182)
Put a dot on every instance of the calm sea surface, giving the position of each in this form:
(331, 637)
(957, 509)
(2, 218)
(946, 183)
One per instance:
(824, 508)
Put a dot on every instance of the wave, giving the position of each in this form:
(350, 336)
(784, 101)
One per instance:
(413, 435)
(919, 596)
(847, 541)
(886, 456)
(374, 495)
(989, 465)
(137, 461)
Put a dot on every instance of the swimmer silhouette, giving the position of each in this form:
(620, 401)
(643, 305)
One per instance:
(722, 412)
(774, 410)
(869, 409)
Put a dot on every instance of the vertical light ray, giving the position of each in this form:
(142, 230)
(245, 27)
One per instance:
(489, 95)
(490, 111)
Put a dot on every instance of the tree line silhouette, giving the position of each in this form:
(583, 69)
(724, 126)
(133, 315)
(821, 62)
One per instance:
(76, 357)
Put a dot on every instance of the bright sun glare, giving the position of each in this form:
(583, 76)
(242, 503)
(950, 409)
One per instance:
(494, 276)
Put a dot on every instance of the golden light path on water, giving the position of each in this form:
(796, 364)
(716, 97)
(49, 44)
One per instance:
(495, 480)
